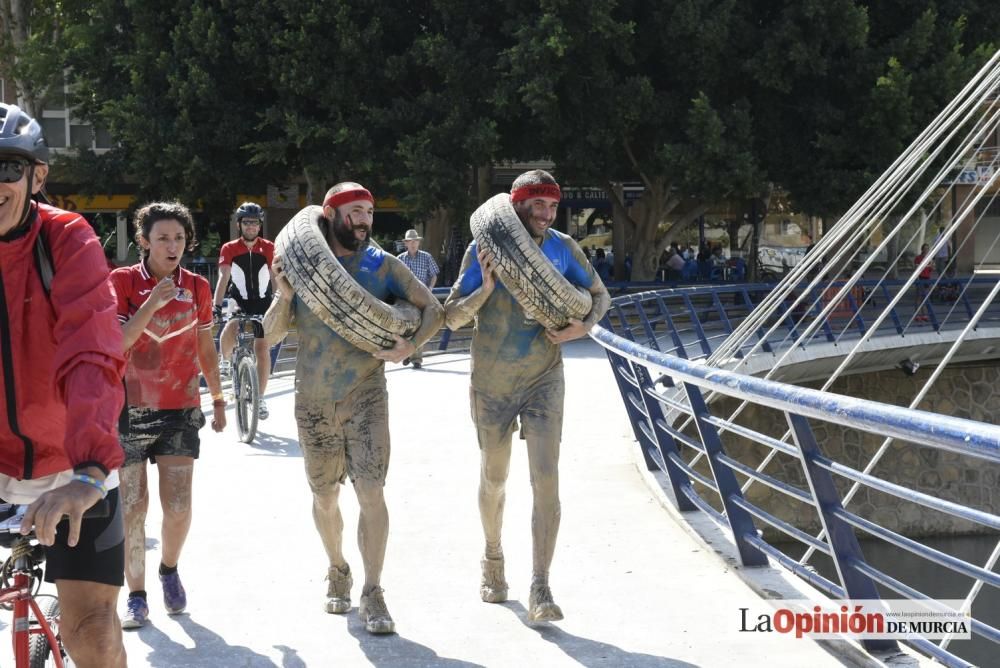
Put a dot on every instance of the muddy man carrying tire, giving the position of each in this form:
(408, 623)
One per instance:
(332, 282)
(547, 294)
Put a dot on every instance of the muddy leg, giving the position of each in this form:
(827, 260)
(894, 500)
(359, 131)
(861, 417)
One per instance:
(135, 503)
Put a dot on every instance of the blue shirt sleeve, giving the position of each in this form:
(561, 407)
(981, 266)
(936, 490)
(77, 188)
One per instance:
(559, 250)
(577, 274)
(472, 277)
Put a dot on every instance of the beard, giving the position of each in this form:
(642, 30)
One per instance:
(249, 237)
(526, 220)
(344, 233)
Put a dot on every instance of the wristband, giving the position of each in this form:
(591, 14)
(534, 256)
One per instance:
(93, 482)
(218, 397)
(219, 402)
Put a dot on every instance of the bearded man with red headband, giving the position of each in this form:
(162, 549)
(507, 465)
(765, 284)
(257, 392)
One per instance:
(517, 372)
(341, 404)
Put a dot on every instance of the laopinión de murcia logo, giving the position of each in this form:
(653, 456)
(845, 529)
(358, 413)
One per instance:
(868, 619)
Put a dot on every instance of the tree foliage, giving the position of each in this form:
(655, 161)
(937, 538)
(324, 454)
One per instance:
(697, 100)
(30, 36)
(176, 94)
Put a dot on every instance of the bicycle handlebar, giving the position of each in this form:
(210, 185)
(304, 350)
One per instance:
(13, 514)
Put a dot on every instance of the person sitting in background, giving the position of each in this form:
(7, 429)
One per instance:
(718, 258)
(675, 265)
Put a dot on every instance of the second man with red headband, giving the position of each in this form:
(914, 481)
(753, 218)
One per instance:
(517, 373)
(341, 404)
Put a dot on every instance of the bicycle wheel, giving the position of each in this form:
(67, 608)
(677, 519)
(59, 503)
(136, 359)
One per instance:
(39, 651)
(247, 394)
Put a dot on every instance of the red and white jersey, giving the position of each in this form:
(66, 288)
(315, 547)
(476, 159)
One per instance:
(250, 269)
(163, 369)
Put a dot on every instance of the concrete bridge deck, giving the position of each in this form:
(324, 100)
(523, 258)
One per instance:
(636, 587)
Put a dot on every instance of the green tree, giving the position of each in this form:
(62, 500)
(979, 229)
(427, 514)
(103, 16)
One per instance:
(180, 95)
(623, 91)
(448, 132)
(325, 66)
(30, 44)
(843, 87)
(401, 102)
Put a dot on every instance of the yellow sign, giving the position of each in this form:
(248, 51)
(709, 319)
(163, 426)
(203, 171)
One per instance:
(105, 203)
(87, 204)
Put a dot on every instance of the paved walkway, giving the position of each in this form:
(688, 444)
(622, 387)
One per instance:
(636, 589)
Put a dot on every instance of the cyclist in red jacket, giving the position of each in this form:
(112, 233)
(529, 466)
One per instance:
(61, 353)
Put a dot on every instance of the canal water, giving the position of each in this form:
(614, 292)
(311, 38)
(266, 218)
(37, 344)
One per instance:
(935, 581)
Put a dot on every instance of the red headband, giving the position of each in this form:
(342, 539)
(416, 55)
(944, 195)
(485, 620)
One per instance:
(348, 196)
(550, 190)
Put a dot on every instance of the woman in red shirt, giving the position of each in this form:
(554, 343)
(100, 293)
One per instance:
(166, 316)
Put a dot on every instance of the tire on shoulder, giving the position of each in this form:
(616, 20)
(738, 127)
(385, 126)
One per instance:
(332, 294)
(544, 294)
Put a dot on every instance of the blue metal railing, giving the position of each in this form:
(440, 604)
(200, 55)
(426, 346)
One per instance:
(651, 339)
(690, 322)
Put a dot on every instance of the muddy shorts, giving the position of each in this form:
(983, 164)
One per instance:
(540, 408)
(100, 554)
(345, 438)
(162, 431)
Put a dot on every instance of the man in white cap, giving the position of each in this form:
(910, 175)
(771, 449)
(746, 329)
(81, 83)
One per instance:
(423, 266)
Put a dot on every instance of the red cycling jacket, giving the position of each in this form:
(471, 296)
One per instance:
(60, 353)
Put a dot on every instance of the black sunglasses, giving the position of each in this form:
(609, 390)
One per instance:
(12, 170)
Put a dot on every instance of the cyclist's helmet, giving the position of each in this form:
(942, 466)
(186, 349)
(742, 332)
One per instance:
(249, 210)
(21, 135)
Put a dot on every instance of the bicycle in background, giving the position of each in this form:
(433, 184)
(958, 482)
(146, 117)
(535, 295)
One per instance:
(243, 367)
(34, 631)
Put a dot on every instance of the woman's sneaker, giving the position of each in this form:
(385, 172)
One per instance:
(136, 613)
(174, 596)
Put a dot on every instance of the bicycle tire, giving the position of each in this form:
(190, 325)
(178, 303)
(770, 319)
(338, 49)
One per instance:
(544, 294)
(332, 294)
(246, 392)
(39, 650)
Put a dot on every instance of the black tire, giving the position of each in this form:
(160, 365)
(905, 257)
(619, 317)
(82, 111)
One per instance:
(332, 294)
(544, 294)
(39, 652)
(246, 392)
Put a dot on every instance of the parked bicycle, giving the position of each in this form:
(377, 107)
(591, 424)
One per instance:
(243, 367)
(34, 631)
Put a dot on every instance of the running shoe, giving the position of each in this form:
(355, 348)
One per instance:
(174, 596)
(374, 614)
(541, 607)
(493, 586)
(136, 613)
(338, 593)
